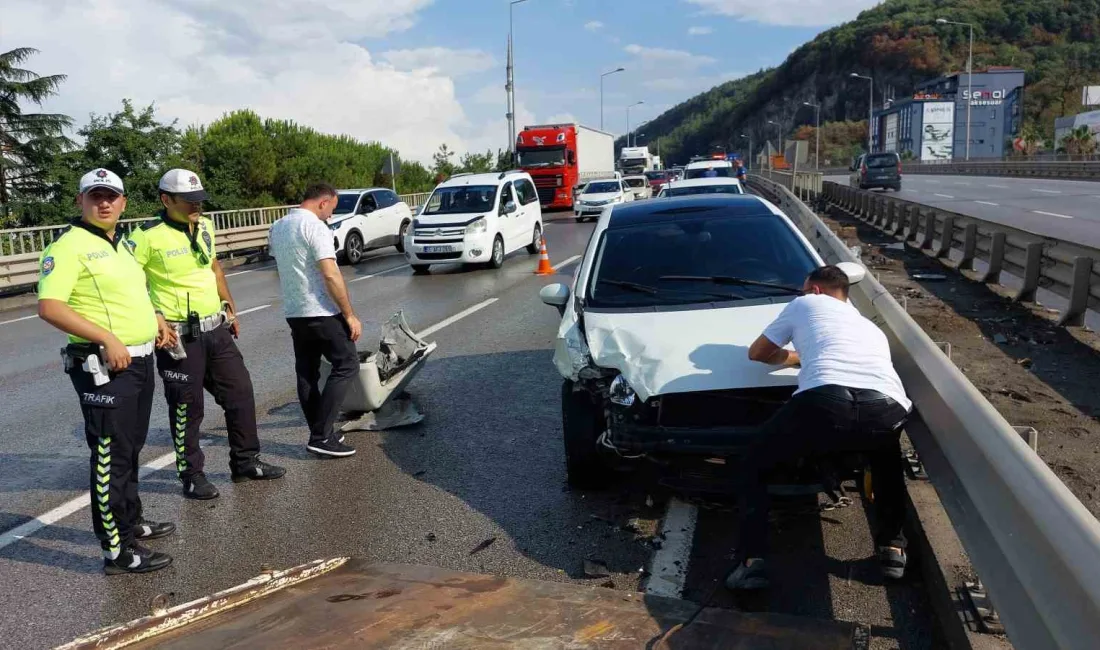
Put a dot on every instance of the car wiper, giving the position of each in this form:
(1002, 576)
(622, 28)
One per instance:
(729, 279)
(633, 286)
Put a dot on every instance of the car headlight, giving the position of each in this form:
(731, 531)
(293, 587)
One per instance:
(621, 393)
(477, 227)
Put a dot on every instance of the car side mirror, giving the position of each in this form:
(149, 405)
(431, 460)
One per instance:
(555, 295)
(855, 272)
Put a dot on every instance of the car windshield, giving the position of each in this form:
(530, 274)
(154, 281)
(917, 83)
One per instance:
(711, 244)
(345, 203)
(712, 172)
(704, 189)
(889, 160)
(542, 157)
(635, 182)
(461, 200)
(602, 187)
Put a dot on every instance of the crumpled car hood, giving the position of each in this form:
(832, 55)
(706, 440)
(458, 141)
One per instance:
(685, 351)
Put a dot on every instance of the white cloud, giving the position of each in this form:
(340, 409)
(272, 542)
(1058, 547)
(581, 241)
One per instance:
(700, 31)
(281, 58)
(801, 13)
(440, 60)
(593, 25)
(651, 57)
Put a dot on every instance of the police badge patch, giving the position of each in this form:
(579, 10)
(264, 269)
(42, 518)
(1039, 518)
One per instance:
(130, 245)
(206, 239)
(47, 266)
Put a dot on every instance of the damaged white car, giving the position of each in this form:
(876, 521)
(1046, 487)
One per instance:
(653, 343)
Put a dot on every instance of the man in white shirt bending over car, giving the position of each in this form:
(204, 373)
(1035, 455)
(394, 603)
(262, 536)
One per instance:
(849, 399)
(318, 310)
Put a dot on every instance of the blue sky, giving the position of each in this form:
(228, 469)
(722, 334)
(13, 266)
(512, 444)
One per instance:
(408, 73)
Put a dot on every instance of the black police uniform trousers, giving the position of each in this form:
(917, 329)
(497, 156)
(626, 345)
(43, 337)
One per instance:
(328, 337)
(828, 420)
(116, 422)
(213, 362)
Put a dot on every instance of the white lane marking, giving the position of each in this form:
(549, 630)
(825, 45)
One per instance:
(457, 317)
(956, 183)
(1046, 191)
(946, 196)
(230, 275)
(566, 262)
(73, 505)
(988, 203)
(913, 191)
(375, 275)
(252, 309)
(82, 502)
(668, 570)
(16, 320)
(1053, 214)
(1001, 187)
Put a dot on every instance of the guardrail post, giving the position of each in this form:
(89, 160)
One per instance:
(914, 221)
(891, 215)
(1078, 293)
(996, 258)
(929, 230)
(1032, 270)
(948, 236)
(970, 247)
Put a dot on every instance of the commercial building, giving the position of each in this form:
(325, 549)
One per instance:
(931, 125)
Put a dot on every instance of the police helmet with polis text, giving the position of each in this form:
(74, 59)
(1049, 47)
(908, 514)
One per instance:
(184, 184)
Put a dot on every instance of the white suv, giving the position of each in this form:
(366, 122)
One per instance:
(366, 219)
(476, 218)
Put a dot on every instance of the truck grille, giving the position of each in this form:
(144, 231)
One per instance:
(546, 194)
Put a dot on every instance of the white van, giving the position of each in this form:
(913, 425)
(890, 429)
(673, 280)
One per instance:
(476, 218)
(710, 169)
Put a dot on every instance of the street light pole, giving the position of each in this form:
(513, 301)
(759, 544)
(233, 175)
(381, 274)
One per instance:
(870, 109)
(749, 166)
(779, 142)
(601, 92)
(628, 121)
(817, 134)
(969, 76)
(511, 85)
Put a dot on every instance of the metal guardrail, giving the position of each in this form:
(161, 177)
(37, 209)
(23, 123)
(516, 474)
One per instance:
(1067, 269)
(1028, 169)
(802, 184)
(1035, 546)
(237, 231)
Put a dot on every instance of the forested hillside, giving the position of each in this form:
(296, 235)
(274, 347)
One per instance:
(898, 43)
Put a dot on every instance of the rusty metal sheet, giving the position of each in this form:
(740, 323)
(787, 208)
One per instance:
(358, 605)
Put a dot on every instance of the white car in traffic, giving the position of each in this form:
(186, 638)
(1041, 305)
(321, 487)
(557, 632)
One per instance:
(709, 169)
(366, 219)
(600, 194)
(640, 186)
(718, 185)
(656, 326)
(476, 218)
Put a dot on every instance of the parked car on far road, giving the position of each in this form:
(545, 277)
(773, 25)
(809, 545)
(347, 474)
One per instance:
(876, 170)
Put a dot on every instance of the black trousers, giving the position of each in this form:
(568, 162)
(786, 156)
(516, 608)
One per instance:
(213, 362)
(116, 422)
(328, 337)
(826, 420)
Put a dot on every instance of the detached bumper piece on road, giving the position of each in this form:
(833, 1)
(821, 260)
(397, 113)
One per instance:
(348, 603)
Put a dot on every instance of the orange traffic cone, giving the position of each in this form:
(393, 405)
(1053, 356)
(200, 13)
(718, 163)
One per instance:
(544, 267)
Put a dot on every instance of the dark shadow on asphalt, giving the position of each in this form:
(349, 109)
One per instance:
(42, 548)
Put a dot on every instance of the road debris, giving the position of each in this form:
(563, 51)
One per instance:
(484, 545)
(596, 569)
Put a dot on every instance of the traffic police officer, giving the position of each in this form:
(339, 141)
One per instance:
(188, 288)
(92, 288)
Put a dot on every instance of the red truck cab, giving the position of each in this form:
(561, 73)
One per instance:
(559, 157)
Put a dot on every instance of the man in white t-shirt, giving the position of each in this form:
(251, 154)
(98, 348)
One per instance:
(849, 399)
(318, 310)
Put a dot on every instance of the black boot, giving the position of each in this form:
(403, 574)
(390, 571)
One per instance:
(198, 487)
(135, 558)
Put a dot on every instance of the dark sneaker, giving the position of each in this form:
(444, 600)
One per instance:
(258, 470)
(146, 529)
(332, 448)
(892, 560)
(136, 559)
(746, 578)
(198, 487)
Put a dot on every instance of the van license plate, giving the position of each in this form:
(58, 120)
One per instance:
(438, 249)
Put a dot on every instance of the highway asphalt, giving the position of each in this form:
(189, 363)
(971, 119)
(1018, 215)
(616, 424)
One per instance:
(1068, 210)
(484, 471)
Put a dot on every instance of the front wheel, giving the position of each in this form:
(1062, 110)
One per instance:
(400, 245)
(536, 241)
(353, 248)
(581, 423)
(497, 259)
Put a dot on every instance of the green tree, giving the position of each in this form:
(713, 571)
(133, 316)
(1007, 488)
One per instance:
(477, 163)
(443, 161)
(28, 141)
